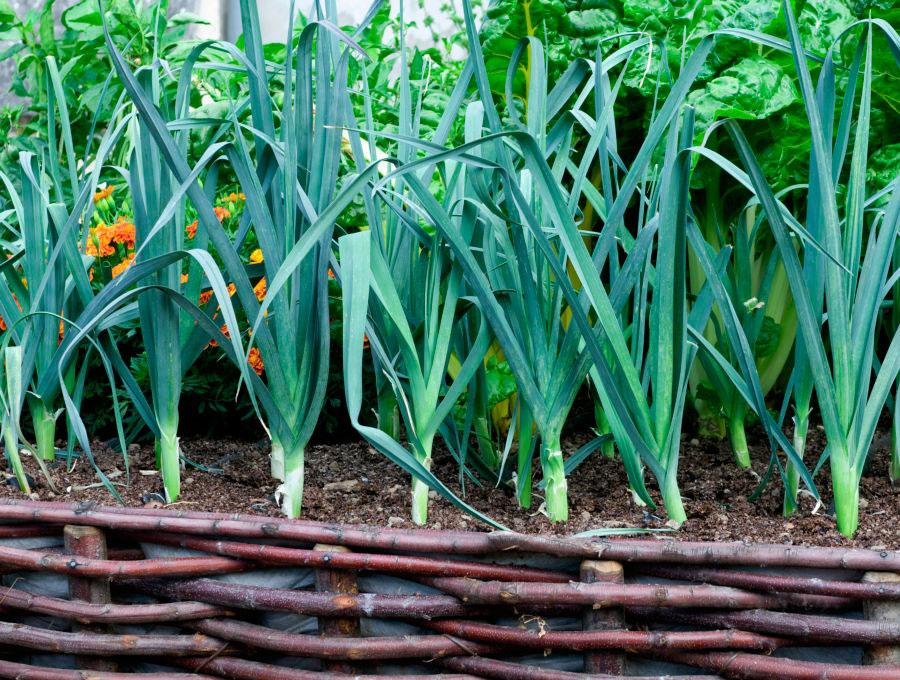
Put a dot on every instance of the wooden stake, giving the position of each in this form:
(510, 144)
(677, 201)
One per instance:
(611, 618)
(339, 582)
(882, 612)
(88, 542)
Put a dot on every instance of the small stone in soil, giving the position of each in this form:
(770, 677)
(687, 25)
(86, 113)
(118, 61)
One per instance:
(14, 483)
(346, 485)
(394, 521)
(153, 498)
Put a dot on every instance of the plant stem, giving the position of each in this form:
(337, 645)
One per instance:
(894, 468)
(388, 413)
(481, 425)
(524, 470)
(12, 452)
(291, 489)
(845, 485)
(44, 430)
(792, 485)
(556, 494)
(170, 462)
(420, 488)
(276, 460)
(607, 448)
(672, 498)
(738, 436)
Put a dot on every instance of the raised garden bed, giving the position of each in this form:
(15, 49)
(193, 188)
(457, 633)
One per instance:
(352, 483)
(99, 592)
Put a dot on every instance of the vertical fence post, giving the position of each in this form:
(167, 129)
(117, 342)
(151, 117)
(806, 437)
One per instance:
(597, 571)
(90, 543)
(883, 612)
(338, 582)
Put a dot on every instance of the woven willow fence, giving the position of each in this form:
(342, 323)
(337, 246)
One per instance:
(475, 604)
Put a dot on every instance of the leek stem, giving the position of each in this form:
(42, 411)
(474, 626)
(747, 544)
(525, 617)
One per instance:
(672, 498)
(44, 430)
(419, 502)
(276, 459)
(792, 485)
(738, 436)
(420, 488)
(894, 468)
(12, 453)
(556, 498)
(845, 484)
(170, 462)
(607, 448)
(388, 413)
(291, 489)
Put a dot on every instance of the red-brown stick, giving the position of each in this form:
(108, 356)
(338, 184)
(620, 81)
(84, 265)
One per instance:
(759, 667)
(610, 595)
(30, 637)
(27, 530)
(21, 671)
(449, 542)
(581, 640)
(89, 543)
(108, 613)
(79, 566)
(803, 626)
(777, 584)
(305, 602)
(388, 564)
(241, 669)
(887, 613)
(609, 618)
(505, 670)
(337, 582)
(358, 649)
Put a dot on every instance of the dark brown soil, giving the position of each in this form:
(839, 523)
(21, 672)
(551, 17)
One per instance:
(353, 483)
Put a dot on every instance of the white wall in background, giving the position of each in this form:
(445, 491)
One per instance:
(274, 17)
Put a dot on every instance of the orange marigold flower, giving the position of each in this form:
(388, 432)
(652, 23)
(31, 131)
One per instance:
(184, 278)
(234, 198)
(123, 265)
(232, 289)
(2, 324)
(330, 273)
(191, 229)
(256, 257)
(222, 213)
(99, 243)
(255, 361)
(365, 341)
(260, 289)
(122, 232)
(104, 193)
(224, 329)
(205, 296)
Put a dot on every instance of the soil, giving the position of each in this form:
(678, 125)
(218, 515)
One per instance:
(353, 483)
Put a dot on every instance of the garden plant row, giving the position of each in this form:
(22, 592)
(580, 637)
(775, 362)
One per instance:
(474, 266)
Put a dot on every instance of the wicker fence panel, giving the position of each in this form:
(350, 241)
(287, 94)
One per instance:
(96, 592)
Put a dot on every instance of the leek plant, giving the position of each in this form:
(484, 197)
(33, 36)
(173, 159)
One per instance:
(515, 236)
(859, 248)
(422, 327)
(289, 175)
(33, 312)
(417, 314)
(759, 292)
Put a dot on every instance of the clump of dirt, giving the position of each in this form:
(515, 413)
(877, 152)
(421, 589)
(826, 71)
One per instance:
(353, 483)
